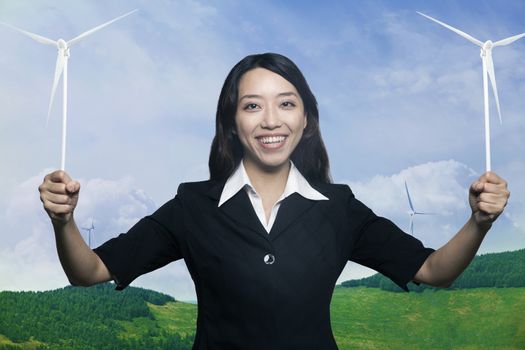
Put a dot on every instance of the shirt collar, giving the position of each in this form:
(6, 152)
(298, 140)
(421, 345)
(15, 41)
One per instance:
(295, 183)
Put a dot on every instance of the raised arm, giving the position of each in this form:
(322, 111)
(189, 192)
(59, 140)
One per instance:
(59, 194)
(488, 197)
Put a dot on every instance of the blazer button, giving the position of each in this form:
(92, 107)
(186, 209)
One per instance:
(269, 259)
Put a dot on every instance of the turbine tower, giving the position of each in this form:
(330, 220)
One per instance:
(89, 229)
(412, 212)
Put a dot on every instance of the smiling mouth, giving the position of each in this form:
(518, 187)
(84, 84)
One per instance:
(272, 141)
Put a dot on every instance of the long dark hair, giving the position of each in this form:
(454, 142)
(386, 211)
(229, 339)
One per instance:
(309, 156)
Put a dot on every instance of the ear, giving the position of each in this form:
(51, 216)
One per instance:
(305, 121)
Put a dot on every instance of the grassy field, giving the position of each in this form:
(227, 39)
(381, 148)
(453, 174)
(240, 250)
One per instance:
(485, 318)
(369, 318)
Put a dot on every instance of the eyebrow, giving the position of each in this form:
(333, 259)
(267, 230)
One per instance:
(290, 93)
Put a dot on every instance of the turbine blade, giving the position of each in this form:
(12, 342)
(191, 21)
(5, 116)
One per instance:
(457, 31)
(97, 28)
(509, 40)
(492, 76)
(59, 67)
(36, 37)
(409, 199)
(421, 213)
(412, 225)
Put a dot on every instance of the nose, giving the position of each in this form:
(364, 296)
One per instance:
(271, 118)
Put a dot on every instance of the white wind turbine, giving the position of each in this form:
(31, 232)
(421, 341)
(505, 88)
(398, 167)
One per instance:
(89, 229)
(412, 211)
(488, 69)
(61, 70)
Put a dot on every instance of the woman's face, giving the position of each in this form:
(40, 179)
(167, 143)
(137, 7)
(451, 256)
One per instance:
(270, 118)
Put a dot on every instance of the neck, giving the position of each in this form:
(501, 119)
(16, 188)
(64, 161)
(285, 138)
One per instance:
(267, 179)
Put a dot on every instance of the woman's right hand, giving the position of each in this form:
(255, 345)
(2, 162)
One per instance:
(59, 194)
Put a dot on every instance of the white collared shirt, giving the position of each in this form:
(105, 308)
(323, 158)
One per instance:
(295, 183)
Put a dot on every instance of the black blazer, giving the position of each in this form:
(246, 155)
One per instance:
(257, 290)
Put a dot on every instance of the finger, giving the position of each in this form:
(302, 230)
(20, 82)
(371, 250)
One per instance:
(53, 187)
(492, 178)
(73, 187)
(59, 176)
(496, 190)
(58, 208)
(490, 209)
(492, 198)
(58, 198)
(477, 187)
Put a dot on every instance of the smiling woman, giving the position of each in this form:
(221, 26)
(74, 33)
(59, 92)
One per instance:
(283, 82)
(267, 236)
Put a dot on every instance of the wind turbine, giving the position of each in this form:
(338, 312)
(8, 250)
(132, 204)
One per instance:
(89, 229)
(61, 69)
(488, 69)
(412, 211)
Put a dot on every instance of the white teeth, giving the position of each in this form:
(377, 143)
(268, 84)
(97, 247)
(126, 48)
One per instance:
(272, 139)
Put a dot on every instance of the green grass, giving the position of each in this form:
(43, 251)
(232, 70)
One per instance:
(176, 317)
(368, 318)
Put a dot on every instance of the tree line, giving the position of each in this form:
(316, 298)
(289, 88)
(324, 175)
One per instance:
(493, 270)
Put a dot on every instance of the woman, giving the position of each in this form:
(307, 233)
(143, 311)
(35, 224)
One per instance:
(266, 238)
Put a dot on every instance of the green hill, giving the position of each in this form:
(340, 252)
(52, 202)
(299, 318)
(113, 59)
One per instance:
(498, 270)
(84, 318)
(362, 318)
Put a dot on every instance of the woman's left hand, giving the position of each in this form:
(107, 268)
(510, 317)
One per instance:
(488, 197)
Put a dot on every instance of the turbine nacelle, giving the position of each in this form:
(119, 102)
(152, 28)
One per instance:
(486, 48)
(61, 44)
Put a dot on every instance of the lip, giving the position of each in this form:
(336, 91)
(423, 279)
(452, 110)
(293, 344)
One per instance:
(270, 135)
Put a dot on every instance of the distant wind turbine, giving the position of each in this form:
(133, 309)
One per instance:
(488, 69)
(61, 69)
(412, 211)
(89, 229)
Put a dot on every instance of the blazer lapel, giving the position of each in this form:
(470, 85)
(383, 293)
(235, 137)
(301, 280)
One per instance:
(290, 210)
(240, 209)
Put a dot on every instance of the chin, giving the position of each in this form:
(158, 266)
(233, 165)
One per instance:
(272, 164)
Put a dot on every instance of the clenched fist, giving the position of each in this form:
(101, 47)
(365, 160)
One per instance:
(488, 197)
(59, 194)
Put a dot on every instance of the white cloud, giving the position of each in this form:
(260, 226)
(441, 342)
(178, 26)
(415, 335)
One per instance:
(438, 187)
(29, 258)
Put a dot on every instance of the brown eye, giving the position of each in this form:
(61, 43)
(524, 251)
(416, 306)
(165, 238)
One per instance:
(288, 104)
(250, 106)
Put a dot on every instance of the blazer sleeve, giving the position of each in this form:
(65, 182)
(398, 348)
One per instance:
(151, 243)
(380, 245)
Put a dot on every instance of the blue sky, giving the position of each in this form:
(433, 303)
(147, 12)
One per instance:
(400, 99)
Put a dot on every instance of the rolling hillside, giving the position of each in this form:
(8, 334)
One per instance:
(362, 317)
(497, 270)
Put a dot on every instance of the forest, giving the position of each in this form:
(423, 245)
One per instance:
(83, 318)
(493, 270)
